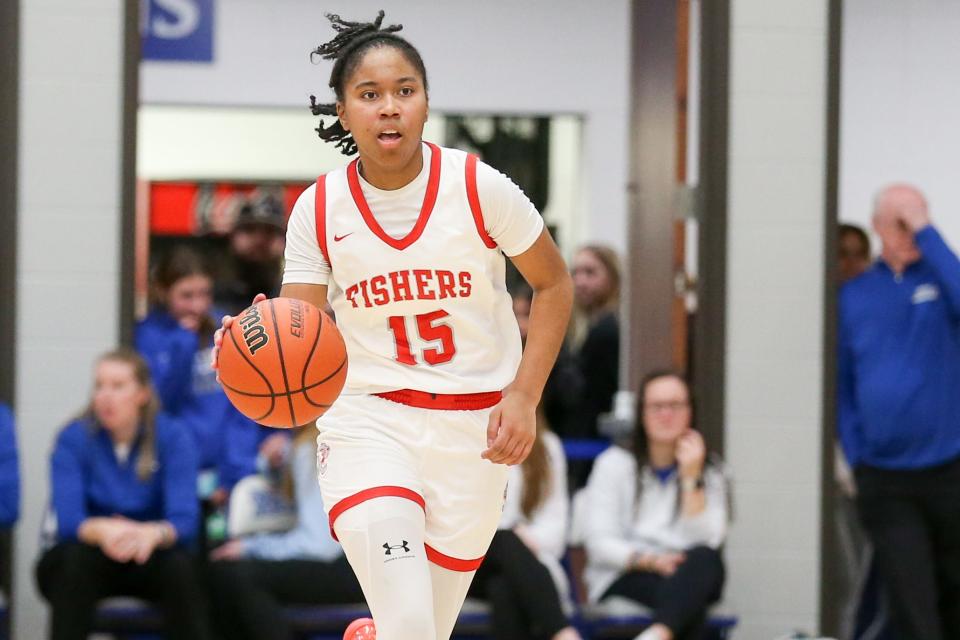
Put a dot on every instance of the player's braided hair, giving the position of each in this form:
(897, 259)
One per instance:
(346, 49)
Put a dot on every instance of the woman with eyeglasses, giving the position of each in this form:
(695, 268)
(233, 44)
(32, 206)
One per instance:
(658, 515)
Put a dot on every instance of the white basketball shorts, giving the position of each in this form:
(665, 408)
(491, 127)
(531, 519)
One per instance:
(370, 447)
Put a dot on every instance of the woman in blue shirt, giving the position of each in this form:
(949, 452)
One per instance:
(176, 338)
(123, 484)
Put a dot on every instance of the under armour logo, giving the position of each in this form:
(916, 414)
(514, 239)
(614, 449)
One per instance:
(391, 548)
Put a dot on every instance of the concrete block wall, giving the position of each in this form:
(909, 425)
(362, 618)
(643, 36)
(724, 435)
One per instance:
(775, 282)
(71, 98)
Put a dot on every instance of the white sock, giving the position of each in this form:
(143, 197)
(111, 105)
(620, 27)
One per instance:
(383, 540)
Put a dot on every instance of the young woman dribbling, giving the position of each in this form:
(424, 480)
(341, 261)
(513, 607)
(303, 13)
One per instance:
(408, 242)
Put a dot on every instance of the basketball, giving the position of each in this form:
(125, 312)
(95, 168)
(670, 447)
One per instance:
(283, 362)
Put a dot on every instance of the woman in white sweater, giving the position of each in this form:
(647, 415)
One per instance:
(521, 575)
(658, 515)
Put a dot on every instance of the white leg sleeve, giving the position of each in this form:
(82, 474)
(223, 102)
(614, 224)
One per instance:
(449, 592)
(383, 540)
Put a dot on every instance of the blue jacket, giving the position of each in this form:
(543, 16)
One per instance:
(226, 440)
(899, 361)
(89, 481)
(9, 470)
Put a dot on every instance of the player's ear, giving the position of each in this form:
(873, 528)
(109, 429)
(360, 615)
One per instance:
(342, 114)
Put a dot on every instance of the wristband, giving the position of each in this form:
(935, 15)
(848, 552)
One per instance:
(692, 484)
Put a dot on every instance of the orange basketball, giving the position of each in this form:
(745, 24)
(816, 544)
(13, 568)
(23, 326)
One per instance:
(283, 362)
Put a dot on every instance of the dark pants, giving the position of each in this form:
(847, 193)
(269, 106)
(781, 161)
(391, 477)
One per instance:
(248, 595)
(913, 519)
(523, 598)
(679, 601)
(74, 576)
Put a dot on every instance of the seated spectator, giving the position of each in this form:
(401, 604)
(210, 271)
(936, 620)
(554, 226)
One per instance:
(564, 386)
(9, 470)
(251, 578)
(521, 575)
(123, 479)
(176, 339)
(9, 491)
(596, 331)
(657, 516)
(594, 343)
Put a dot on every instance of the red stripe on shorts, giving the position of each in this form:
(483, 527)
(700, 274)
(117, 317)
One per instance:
(443, 401)
(434, 556)
(451, 563)
(370, 494)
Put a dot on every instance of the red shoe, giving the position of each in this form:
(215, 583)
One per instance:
(361, 629)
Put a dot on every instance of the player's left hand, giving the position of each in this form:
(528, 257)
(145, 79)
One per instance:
(511, 429)
(225, 324)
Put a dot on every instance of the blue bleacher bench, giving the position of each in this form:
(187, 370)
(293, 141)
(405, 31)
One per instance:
(131, 619)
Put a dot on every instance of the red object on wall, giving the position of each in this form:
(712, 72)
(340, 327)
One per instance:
(172, 206)
(197, 208)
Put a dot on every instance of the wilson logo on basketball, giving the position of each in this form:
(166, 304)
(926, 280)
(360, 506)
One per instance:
(254, 334)
(296, 319)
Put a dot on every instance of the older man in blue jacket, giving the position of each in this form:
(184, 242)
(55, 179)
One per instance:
(899, 412)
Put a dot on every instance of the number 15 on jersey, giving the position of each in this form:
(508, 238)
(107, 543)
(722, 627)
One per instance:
(431, 329)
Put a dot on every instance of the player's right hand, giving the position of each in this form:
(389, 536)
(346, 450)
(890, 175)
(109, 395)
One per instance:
(218, 335)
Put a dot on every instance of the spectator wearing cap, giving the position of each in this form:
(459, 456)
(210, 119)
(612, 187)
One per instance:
(255, 258)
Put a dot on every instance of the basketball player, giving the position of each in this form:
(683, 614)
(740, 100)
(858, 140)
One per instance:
(408, 242)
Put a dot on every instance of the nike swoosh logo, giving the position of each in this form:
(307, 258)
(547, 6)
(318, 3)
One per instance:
(339, 238)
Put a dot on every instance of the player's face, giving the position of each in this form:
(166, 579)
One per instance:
(591, 281)
(117, 395)
(666, 410)
(189, 300)
(385, 107)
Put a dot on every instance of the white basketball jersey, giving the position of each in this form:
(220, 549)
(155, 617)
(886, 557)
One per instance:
(428, 311)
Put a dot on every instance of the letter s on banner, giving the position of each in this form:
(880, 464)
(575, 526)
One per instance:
(177, 30)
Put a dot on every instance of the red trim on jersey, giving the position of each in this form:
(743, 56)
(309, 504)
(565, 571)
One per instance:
(443, 401)
(370, 494)
(451, 563)
(320, 214)
(429, 199)
(474, 199)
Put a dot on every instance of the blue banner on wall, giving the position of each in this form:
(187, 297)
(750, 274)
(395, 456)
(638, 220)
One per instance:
(177, 30)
